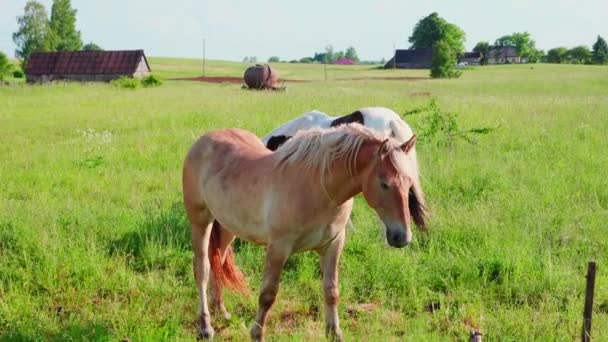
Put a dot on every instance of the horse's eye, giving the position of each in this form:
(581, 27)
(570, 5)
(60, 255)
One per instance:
(384, 186)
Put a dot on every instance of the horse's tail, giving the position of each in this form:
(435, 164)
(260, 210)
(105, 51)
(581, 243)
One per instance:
(225, 274)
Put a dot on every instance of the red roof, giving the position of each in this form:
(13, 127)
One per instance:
(85, 62)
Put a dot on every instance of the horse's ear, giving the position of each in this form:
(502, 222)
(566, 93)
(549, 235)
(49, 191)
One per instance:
(407, 146)
(383, 149)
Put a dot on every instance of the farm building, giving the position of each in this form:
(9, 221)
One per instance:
(411, 59)
(504, 55)
(86, 65)
(344, 61)
(470, 58)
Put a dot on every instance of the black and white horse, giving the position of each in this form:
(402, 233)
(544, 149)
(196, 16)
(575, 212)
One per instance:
(379, 119)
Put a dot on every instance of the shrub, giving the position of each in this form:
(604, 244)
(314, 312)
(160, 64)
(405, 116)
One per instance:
(151, 81)
(126, 82)
(5, 66)
(444, 61)
(18, 73)
(441, 127)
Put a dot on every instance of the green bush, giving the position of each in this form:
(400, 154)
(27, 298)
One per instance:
(444, 61)
(18, 73)
(126, 82)
(5, 66)
(151, 81)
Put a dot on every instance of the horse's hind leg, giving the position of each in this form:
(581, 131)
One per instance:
(201, 222)
(217, 298)
(329, 258)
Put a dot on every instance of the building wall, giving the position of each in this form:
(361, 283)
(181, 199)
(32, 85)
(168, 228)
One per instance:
(79, 78)
(502, 60)
(471, 61)
(417, 65)
(142, 69)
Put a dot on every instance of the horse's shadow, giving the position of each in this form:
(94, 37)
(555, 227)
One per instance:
(160, 240)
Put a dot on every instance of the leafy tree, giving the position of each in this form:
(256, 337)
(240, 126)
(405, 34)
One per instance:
(600, 51)
(484, 49)
(330, 57)
(579, 55)
(306, 60)
(338, 55)
(444, 61)
(319, 57)
(64, 36)
(536, 56)
(92, 47)
(432, 28)
(5, 66)
(351, 53)
(274, 59)
(33, 31)
(557, 55)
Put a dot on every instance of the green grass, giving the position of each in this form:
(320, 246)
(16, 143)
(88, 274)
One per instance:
(94, 243)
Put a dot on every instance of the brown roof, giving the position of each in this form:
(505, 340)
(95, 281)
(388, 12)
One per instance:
(507, 51)
(414, 55)
(85, 62)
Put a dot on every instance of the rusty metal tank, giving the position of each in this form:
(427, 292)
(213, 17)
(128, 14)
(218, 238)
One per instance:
(261, 77)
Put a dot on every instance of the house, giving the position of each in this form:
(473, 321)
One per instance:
(86, 65)
(470, 58)
(504, 55)
(344, 61)
(411, 59)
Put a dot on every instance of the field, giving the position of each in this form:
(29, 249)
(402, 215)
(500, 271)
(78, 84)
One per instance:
(94, 243)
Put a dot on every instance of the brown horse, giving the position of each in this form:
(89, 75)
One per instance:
(296, 199)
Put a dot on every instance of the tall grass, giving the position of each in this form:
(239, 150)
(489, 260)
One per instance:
(94, 241)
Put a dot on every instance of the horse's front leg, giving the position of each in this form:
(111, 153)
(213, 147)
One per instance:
(329, 258)
(276, 256)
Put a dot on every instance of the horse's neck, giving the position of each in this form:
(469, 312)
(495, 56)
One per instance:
(342, 185)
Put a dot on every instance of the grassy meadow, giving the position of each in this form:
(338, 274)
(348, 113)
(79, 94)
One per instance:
(94, 242)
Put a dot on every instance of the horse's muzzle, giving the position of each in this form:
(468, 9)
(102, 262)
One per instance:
(398, 236)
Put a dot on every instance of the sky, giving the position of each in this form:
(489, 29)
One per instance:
(291, 29)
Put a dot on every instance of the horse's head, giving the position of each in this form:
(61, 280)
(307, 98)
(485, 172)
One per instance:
(390, 186)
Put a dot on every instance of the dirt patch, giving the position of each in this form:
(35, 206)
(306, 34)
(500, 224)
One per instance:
(220, 79)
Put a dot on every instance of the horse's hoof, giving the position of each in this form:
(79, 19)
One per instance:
(227, 316)
(257, 332)
(333, 334)
(205, 335)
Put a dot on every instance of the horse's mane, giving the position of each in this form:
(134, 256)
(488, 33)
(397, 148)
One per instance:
(318, 148)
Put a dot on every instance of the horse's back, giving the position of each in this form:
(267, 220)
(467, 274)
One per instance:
(385, 120)
(312, 119)
(221, 150)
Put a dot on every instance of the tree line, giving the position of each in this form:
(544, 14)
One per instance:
(598, 54)
(328, 56)
(526, 49)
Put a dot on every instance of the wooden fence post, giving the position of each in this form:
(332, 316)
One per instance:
(586, 334)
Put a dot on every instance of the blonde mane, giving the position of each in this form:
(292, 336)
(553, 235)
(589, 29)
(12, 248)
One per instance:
(318, 148)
